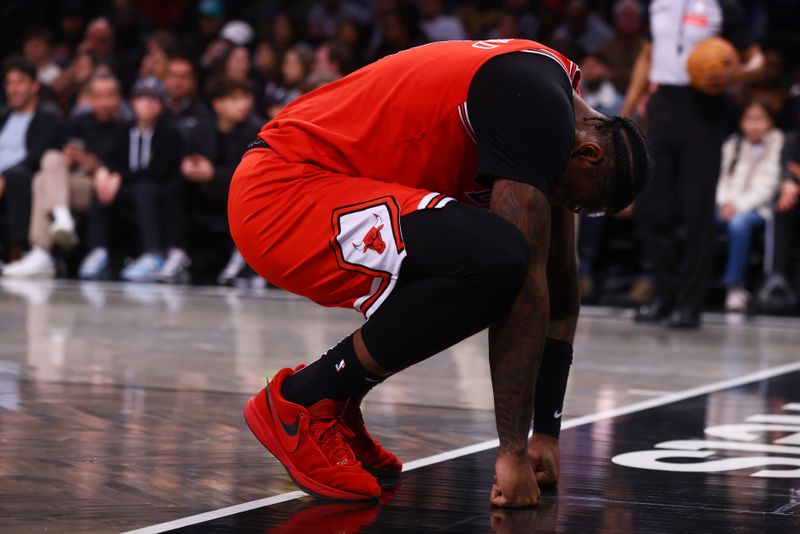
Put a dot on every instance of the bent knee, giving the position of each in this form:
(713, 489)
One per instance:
(52, 159)
(505, 263)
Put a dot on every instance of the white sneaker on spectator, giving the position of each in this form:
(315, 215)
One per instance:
(232, 270)
(145, 268)
(36, 263)
(175, 268)
(62, 229)
(737, 299)
(95, 265)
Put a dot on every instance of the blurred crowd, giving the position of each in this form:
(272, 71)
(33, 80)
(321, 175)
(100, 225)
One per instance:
(123, 121)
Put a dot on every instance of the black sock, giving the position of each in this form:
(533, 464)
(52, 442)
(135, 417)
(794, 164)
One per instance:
(337, 375)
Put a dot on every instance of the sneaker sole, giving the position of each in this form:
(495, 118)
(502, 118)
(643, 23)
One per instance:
(262, 431)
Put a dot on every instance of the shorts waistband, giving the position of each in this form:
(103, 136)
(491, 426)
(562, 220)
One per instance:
(258, 143)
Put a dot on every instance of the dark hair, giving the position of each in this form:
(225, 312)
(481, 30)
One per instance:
(20, 64)
(632, 164)
(223, 87)
(737, 148)
(39, 33)
(104, 77)
(184, 58)
(341, 54)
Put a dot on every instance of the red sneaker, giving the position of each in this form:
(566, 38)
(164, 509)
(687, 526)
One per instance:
(377, 460)
(311, 446)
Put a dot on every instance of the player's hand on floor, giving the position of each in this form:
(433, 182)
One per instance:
(544, 458)
(514, 485)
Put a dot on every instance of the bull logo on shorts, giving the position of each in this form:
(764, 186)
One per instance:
(372, 240)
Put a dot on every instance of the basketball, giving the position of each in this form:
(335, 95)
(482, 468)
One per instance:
(711, 56)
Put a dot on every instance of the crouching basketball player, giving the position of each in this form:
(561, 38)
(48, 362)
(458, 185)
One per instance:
(371, 193)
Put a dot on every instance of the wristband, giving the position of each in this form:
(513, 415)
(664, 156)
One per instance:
(551, 386)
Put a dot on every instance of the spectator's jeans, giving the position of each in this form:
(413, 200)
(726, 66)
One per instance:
(54, 185)
(740, 229)
(144, 197)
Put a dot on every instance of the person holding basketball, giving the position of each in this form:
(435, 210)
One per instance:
(685, 129)
(371, 193)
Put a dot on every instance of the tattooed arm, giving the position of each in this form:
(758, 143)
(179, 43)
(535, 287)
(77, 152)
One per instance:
(516, 342)
(562, 278)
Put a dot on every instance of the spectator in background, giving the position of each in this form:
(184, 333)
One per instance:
(294, 70)
(438, 26)
(778, 293)
(583, 28)
(72, 79)
(283, 33)
(233, 63)
(748, 179)
(144, 159)
(64, 182)
(599, 93)
(99, 40)
(70, 30)
(185, 111)
(399, 33)
(333, 59)
(205, 180)
(27, 129)
(36, 49)
(160, 46)
(623, 48)
(211, 19)
(325, 15)
(525, 21)
(771, 88)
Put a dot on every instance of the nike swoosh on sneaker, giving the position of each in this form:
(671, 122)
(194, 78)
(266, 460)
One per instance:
(290, 431)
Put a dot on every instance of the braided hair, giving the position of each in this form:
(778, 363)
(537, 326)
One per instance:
(632, 163)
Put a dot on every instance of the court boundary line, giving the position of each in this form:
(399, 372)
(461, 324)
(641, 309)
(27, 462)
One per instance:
(710, 387)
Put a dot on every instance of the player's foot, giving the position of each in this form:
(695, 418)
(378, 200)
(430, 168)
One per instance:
(310, 443)
(377, 460)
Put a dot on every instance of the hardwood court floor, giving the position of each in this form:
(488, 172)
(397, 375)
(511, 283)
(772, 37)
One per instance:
(120, 405)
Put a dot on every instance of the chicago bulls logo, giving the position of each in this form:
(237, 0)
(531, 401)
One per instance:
(372, 240)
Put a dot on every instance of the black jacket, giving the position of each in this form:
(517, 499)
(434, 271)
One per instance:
(165, 155)
(45, 131)
(230, 147)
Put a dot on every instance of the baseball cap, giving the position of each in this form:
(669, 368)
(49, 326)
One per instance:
(151, 86)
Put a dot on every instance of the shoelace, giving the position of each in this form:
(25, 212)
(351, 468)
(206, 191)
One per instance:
(330, 434)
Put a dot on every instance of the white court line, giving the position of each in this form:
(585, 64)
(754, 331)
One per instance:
(486, 445)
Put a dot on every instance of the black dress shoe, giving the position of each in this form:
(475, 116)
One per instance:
(654, 312)
(684, 318)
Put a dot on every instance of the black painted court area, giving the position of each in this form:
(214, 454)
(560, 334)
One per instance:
(595, 494)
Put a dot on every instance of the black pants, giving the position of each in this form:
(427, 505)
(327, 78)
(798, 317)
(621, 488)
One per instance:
(182, 199)
(685, 133)
(785, 233)
(145, 199)
(464, 269)
(17, 199)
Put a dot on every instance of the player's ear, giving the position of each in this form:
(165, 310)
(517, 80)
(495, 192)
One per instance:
(588, 153)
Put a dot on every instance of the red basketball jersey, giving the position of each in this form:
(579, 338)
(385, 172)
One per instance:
(403, 119)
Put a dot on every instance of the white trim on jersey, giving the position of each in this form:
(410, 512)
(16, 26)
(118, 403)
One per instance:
(425, 200)
(444, 202)
(553, 57)
(465, 122)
